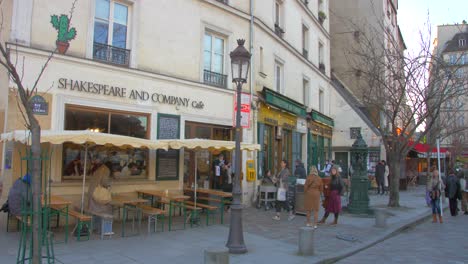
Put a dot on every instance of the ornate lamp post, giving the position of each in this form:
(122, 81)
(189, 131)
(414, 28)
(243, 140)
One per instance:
(359, 199)
(240, 63)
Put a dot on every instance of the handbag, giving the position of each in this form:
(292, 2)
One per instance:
(281, 193)
(102, 195)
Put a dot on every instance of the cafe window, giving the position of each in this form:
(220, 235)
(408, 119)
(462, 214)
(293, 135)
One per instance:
(125, 163)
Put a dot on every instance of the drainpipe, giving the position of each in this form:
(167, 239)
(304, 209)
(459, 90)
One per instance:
(252, 82)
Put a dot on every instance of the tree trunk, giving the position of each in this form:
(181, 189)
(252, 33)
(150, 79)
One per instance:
(36, 189)
(394, 181)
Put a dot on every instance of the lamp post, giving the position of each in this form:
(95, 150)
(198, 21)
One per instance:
(240, 62)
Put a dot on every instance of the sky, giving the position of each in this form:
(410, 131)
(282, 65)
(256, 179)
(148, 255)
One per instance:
(413, 16)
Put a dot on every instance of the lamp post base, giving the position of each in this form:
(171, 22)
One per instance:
(235, 242)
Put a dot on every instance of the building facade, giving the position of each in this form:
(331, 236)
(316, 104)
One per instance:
(168, 76)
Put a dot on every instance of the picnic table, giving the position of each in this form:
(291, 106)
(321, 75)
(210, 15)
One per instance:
(224, 198)
(173, 198)
(128, 203)
(60, 207)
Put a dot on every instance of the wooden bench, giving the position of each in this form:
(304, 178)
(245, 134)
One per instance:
(81, 218)
(153, 215)
(210, 210)
(208, 199)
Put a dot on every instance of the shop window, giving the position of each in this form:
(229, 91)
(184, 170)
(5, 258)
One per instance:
(125, 163)
(111, 32)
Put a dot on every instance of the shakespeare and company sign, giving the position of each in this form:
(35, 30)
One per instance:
(115, 91)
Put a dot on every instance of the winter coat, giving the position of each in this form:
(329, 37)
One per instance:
(300, 171)
(312, 189)
(452, 188)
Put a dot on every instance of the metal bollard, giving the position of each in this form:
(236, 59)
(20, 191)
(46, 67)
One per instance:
(306, 241)
(216, 256)
(380, 217)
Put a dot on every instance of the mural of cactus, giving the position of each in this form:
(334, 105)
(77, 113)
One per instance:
(65, 33)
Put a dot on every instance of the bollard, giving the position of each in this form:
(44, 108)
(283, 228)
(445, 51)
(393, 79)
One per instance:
(216, 256)
(306, 241)
(380, 217)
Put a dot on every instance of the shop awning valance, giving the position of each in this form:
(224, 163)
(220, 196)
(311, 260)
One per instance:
(208, 144)
(82, 137)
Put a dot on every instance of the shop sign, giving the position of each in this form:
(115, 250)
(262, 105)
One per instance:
(284, 102)
(115, 91)
(38, 105)
(275, 117)
(245, 110)
(301, 125)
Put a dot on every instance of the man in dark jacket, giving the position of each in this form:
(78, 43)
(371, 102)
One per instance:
(453, 191)
(300, 171)
(379, 177)
(18, 194)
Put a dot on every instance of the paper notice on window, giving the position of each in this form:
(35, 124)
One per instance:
(217, 170)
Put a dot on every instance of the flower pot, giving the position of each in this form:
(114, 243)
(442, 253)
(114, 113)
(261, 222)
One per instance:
(62, 47)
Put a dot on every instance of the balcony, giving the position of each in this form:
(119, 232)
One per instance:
(305, 53)
(279, 31)
(111, 54)
(215, 79)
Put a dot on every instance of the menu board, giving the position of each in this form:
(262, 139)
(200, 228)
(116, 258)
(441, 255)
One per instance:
(168, 127)
(167, 162)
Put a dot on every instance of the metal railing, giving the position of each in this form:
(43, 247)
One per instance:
(215, 79)
(305, 53)
(111, 54)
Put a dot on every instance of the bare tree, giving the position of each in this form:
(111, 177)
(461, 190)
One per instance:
(9, 58)
(402, 91)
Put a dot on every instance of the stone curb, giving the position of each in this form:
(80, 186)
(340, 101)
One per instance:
(388, 234)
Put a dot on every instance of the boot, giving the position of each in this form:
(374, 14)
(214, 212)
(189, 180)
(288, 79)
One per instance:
(335, 222)
(440, 219)
(434, 218)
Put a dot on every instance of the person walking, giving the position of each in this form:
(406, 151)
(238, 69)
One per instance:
(334, 199)
(453, 192)
(300, 171)
(429, 184)
(313, 187)
(434, 186)
(282, 181)
(379, 177)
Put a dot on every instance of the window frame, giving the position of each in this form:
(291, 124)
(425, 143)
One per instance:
(280, 65)
(305, 40)
(306, 91)
(110, 22)
(215, 35)
(321, 98)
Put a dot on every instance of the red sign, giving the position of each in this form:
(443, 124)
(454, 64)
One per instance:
(245, 110)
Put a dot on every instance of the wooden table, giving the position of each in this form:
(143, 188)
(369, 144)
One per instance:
(223, 195)
(128, 203)
(60, 206)
(175, 199)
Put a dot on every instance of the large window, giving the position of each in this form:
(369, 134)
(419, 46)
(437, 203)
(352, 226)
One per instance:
(111, 32)
(213, 59)
(126, 163)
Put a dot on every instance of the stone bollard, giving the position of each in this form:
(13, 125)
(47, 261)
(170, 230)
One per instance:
(380, 217)
(306, 241)
(216, 256)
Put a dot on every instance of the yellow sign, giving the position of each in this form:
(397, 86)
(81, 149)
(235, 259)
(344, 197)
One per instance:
(274, 117)
(251, 173)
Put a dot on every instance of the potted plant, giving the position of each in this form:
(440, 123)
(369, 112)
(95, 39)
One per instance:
(321, 16)
(65, 33)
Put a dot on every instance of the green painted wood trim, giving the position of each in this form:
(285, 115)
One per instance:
(284, 102)
(321, 118)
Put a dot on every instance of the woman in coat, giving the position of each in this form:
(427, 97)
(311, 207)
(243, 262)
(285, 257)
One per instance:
(434, 186)
(334, 199)
(283, 180)
(313, 187)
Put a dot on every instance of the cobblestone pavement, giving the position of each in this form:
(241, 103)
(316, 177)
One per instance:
(425, 243)
(266, 240)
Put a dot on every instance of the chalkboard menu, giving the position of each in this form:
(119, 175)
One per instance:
(167, 162)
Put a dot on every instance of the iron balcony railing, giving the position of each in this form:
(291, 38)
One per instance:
(215, 79)
(111, 54)
(305, 53)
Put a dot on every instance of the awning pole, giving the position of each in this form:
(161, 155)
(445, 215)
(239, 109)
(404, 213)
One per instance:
(84, 178)
(440, 176)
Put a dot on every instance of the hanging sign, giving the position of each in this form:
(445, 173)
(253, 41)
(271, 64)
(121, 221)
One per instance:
(39, 105)
(245, 110)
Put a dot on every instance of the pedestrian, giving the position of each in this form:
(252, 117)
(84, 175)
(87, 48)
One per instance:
(313, 187)
(334, 199)
(379, 177)
(434, 186)
(433, 171)
(453, 191)
(327, 168)
(20, 195)
(300, 171)
(464, 188)
(219, 171)
(386, 173)
(282, 182)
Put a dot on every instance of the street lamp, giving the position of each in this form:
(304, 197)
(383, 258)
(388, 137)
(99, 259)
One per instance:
(240, 62)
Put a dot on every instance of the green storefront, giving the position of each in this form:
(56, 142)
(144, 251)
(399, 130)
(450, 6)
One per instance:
(319, 138)
(277, 131)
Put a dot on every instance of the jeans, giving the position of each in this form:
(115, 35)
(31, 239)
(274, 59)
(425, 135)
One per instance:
(435, 206)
